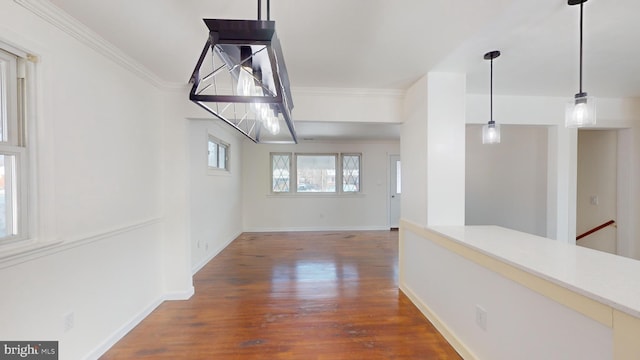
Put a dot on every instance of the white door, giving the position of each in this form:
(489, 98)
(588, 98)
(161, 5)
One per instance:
(395, 189)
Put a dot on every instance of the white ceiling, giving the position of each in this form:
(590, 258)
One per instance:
(384, 44)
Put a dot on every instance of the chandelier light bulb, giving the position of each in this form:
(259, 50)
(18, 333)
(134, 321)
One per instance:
(580, 113)
(246, 85)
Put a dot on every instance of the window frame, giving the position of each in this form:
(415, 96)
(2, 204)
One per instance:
(293, 174)
(218, 143)
(290, 170)
(13, 102)
(342, 184)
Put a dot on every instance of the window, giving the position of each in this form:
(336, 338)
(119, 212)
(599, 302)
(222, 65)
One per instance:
(350, 173)
(13, 157)
(218, 154)
(315, 173)
(280, 170)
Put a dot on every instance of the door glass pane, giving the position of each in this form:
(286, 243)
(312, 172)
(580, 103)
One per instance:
(398, 178)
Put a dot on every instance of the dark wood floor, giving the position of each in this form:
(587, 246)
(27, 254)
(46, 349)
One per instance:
(311, 295)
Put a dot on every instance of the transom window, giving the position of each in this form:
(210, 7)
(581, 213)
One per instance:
(315, 173)
(218, 154)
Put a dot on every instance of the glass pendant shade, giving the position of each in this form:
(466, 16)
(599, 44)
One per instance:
(580, 111)
(491, 133)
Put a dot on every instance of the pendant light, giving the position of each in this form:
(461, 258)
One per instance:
(241, 79)
(491, 131)
(581, 110)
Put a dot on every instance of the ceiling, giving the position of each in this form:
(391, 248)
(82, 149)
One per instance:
(383, 44)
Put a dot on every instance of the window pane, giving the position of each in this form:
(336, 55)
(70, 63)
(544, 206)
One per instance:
(3, 97)
(280, 165)
(8, 215)
(222, 156)
(316, 173)
(213, 154)
(351, 173)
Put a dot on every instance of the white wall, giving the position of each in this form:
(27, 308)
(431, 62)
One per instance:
(520, 323)
(446, 98)
(413, 135)
(215, 196)
(104, 214)
(353, 105)
(597, 176)
(98, 182)
(506, 183)
(263, 211)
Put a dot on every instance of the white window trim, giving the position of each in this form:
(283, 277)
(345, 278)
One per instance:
(13, 144)
(217, 170)
(293, 176)
(37, 236)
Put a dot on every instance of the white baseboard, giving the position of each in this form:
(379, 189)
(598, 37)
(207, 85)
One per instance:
(319, 228)
(137, 319)
(461, 348)
(197, 267)
(123, 330)
(179, 295)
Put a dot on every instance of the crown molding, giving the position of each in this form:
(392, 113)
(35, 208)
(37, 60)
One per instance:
(69, 25)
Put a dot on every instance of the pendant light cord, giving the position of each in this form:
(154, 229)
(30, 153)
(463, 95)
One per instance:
(581, 21)
(260, 10)
(491, 92)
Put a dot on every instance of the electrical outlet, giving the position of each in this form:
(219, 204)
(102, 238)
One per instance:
(481, 317)
(594, 200)
(68, 321)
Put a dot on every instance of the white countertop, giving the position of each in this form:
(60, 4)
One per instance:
(610, 279)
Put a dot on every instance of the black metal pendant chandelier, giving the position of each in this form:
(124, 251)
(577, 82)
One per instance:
(581, 110)
(241, 78)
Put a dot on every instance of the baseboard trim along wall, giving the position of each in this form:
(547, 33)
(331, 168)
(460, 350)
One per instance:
(320, 228)
(124, 330)
(197, 267)
(438, 323)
